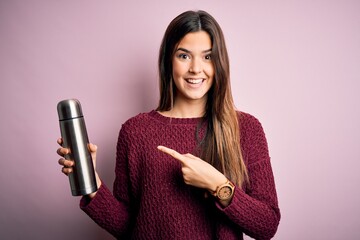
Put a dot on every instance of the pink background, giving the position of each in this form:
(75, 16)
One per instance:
(295, 66)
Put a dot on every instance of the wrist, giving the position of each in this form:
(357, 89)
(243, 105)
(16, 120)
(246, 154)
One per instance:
(224, 192)
(98, 184)
(216, 182)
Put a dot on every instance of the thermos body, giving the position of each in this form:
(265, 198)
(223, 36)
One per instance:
(74, 135)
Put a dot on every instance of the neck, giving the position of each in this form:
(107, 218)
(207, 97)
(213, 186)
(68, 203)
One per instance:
(191, 109)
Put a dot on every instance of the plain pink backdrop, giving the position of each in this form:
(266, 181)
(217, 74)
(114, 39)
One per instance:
(295, 65)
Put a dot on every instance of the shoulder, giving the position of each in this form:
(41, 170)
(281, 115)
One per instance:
(138, 119)
(248, 122)
(136, 124)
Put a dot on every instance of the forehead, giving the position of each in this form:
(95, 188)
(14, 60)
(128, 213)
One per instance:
(196, 41)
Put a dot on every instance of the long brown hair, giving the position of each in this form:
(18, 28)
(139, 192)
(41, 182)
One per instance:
(221, 145)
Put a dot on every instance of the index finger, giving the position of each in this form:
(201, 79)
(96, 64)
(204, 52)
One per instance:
(172, 153)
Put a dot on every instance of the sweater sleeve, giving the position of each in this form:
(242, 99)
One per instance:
(112, 212)
(255, 210)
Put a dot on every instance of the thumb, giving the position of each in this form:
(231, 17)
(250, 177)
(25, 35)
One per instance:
(93, 149)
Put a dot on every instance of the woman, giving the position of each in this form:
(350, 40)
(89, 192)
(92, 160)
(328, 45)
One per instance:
(194, 168)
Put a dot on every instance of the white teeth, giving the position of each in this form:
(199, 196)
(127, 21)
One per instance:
(194, 81)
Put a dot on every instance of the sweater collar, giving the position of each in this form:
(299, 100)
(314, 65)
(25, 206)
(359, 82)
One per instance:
(169, 120)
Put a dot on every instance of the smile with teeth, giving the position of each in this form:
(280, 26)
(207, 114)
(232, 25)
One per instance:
(194, 80)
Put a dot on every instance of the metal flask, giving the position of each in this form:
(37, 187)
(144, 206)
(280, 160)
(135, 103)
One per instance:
(74, 135)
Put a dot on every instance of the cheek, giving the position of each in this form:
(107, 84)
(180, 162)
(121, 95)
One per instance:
(178, 69)
(210, 70)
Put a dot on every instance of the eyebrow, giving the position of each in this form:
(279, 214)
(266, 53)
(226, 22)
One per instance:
(188, 51)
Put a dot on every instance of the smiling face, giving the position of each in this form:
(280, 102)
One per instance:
(193, 69)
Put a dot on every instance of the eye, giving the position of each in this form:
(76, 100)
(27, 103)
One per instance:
(183, 56)
(208, 57)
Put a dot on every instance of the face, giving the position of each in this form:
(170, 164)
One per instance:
(193, 69)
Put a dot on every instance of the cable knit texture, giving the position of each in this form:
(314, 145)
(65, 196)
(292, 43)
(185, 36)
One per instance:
(151, 201)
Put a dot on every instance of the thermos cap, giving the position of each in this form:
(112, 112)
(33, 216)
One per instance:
(68, 109)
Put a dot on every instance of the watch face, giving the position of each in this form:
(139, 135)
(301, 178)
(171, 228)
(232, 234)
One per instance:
(225, 192)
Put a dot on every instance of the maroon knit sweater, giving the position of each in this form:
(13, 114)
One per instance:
(151, 201)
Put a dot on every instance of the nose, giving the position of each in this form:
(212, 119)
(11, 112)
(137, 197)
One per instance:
(196, 66)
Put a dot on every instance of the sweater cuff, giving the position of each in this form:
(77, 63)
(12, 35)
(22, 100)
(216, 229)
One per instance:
(236, 198)
(87, 203)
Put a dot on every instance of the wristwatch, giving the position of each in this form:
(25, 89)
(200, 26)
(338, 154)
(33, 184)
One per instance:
(224, 191)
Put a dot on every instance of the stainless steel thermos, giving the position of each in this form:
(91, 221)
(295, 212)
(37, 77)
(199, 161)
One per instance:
(74, 135)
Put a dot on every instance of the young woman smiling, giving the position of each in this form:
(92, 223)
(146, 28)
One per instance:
(194, 168)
